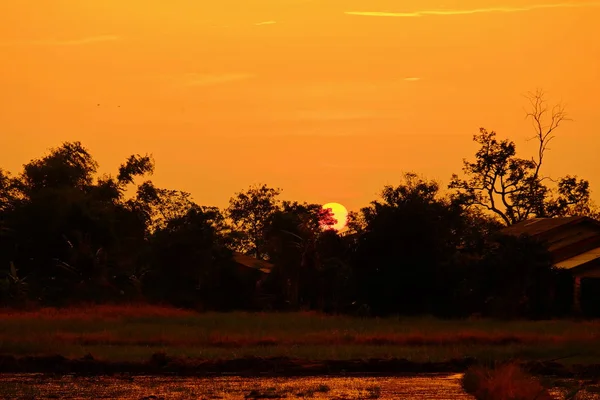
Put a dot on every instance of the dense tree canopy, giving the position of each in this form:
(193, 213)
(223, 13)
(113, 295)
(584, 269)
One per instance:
(406, 249)
(68, 235)
(250, 211)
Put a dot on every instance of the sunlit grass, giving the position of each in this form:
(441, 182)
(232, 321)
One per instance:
(135, 332)
(172, 387)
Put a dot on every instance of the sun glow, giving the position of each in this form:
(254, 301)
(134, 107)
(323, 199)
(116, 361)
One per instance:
(339, 213)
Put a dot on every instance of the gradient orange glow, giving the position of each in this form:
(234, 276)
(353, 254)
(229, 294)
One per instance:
(324, 98)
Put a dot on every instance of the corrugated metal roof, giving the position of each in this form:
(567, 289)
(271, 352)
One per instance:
(251, 262)
(580, 259)
(573, 237)
(564, 236)
(538, 226)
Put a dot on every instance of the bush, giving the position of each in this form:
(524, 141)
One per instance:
(503, 382)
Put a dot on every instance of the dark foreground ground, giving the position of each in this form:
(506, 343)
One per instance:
(162, 364)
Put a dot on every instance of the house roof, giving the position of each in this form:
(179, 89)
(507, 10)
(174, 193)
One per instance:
(580, 259)
(251, 262)
(539, 226)
(569, 239)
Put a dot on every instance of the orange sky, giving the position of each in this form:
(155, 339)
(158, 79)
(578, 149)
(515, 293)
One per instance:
(300, 94)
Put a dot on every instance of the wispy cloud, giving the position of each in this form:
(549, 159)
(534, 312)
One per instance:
(424, 13)
(214, 79)
(63, 42)
(412, 79)
(266, 23)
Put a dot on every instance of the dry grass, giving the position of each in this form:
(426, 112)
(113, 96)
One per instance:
(504, 382)
(139, 329)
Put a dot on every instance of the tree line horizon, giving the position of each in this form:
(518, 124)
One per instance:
(69, 236)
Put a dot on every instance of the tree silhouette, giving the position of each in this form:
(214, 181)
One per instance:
(9, 191)
(513, 188)
(135, 165)
(69, 232)
(250, 211)
(159, 206)
(573, 199)
(188, 256)
(514, 278)
(410, 236)
(294, 237)
(70, 165)
(68, 235)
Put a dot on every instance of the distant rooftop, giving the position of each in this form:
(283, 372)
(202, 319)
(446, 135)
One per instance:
(538, 226)
(569, 239)
(251, 262)
(580, 259)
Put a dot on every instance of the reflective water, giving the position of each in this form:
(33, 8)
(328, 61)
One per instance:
(68, 387)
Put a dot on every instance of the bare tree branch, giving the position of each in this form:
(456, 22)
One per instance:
(543, 126)
(512, 187)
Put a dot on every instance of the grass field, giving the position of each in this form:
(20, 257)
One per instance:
(133, 333)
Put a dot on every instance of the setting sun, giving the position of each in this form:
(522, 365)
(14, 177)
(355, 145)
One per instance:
(299, 181)
(340, 213)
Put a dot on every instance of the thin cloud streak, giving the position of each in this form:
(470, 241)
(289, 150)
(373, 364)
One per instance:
(412, 79)
(56, 42)
(471, 11)
(265, 23)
